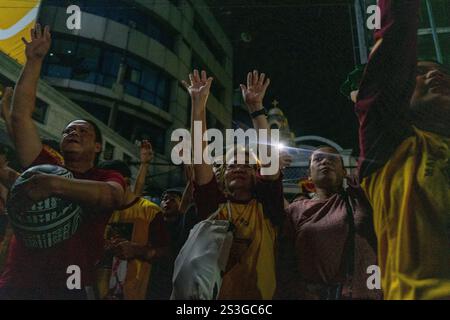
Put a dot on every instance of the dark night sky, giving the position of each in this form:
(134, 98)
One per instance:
(306, 49)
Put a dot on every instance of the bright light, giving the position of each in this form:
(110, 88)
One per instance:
(69, 51)
(281, 146)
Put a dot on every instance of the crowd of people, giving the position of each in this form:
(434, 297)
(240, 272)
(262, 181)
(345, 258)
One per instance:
(395, 214)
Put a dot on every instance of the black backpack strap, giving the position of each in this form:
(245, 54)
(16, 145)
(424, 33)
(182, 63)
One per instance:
(335, 292)
(350, 256)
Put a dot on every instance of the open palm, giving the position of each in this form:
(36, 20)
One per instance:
(253, 94)
(199, 86)
(40, 43)
(146, 152)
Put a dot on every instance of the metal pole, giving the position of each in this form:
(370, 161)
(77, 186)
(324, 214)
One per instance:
(353, 34)
(434, 32)
(360, 26)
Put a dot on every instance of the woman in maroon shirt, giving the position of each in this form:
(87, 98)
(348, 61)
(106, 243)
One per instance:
(328, 241)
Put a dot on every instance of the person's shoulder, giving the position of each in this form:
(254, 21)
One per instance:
(433, 139)
(48, 156)
(52, 153)
(300, 203)
(149, 204)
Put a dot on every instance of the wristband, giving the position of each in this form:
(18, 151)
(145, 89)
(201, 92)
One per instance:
(258, 113)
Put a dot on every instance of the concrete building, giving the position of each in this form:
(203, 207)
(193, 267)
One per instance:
(124, 67)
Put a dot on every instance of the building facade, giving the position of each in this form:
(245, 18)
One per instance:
(124, 67)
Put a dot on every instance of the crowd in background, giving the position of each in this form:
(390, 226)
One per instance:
(394, 214)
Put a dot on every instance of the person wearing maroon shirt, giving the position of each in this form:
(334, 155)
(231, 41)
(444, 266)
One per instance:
(42, 273)
(328, 241)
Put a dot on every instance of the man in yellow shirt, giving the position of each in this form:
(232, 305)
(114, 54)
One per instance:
(126, 269)
(404, 114)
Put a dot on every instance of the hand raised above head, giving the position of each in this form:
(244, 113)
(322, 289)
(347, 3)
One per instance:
(253, 94)
(198, 88)
(40, 43)
(146, 151)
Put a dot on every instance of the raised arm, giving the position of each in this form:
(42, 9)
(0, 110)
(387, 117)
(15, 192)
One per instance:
(199, 89)
(253, 94)
(146, 158)
(26, 136)
(388, 83)
(95, 195)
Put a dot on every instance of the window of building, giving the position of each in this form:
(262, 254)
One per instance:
(97, 110)
(126, 158)
(441, 13)
(88, 61)
(40, 112)
(155, 135)
(209, 41)
(130, 14)
(110, 65)
(134, 129)
(108, 153)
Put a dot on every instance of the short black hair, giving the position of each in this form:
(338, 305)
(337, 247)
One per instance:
(98, 136)
(116, 165)
(98, 133)
(178, 191)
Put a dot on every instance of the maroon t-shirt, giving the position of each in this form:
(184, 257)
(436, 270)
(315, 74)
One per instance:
(315, 246)
(42, 273)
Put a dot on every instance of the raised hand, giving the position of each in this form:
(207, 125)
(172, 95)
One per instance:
(255, 90)
(198, 89)
(37, 49)
(146, 152)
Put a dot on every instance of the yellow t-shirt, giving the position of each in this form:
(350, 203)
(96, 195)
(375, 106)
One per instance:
(410, 196)
(250, 272)
(136, 218)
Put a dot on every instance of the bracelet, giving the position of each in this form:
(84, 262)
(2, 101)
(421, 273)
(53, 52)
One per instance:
(258, 113)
